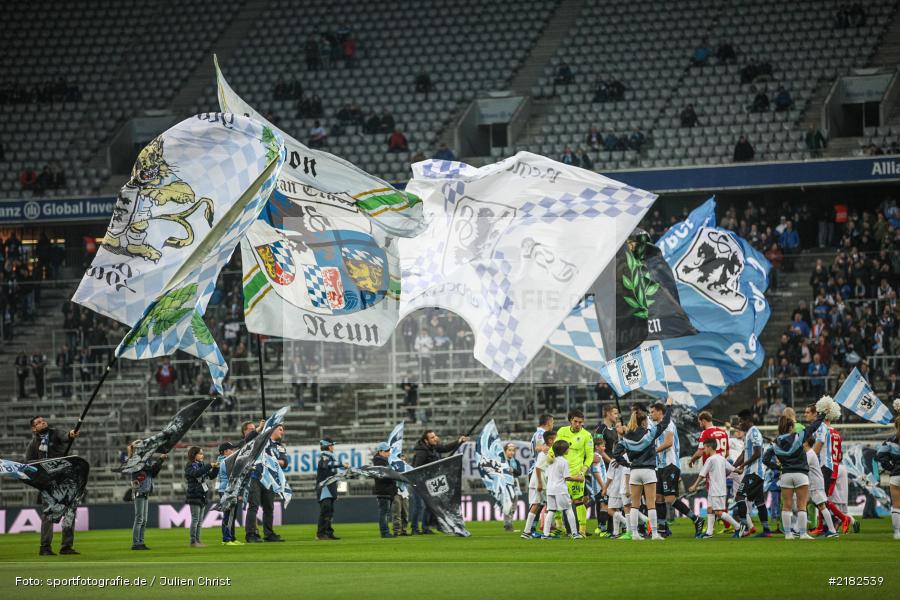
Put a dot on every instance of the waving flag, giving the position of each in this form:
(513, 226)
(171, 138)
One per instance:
(162, 442)
(512, 246)
(637, 299)
(192, 195)
(60, 481)
(495, 470)
(635, 369)
(273, 478)
(439, 485)
(721, 282)
(857, 396)
(241, 464)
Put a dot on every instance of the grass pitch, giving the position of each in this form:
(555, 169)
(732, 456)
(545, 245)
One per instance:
(490, 564)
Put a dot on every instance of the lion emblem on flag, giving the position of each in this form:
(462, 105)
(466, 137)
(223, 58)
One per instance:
(276, 260)
(149, 196)
(713, 267)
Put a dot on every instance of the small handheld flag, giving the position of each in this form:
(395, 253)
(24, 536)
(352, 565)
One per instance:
(857, 396)
(635, 369)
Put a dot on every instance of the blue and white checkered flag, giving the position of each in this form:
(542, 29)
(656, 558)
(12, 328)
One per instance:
(273, 478)
(243, 167)
(10, 467)
(857, 396)
(635, 369)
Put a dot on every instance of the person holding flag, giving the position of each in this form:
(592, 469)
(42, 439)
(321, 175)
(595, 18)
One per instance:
(328, 467)
(639, 442)
(385, 490)
(888, 457)
(48, 442)
(580, 457)
(141, 488)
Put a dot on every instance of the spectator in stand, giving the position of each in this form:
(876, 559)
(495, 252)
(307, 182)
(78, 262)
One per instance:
(700, 58)
(386, 123)
(601, 92)
(166, 376)
(725, 53)
(817, 371)
(776, 410)
(743, 151)
(348, 49)
(423, 347)
(892, 386)
(636, 139)
(593, 138)
(318, 137)
(783, 100)
(312, 53)
(815, 142)
(2, 152)
(423, 84)
(28, 180)
(760, 102)
(585, 160)
(775, 256)
(785, 372)
(789, 241)
(22, 370)
(611, 142)
(39, 371)
(856, 16)
(444, 153)
(689, 117)
(411, 397)
(397, 142)
(563, 75)
(568, 158)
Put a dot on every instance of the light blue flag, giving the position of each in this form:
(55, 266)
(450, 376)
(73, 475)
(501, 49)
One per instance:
(635, 369)
(242, 171)
(495, 470)
(273, 478)
(721, 283)
(395, 441)
(857, 396)
(15, 469)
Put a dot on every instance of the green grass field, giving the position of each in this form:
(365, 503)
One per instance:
(491, 563)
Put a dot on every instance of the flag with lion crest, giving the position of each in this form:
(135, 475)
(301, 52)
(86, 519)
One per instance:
(193, 193)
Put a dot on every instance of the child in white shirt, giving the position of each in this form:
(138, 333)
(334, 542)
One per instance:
(558, 499)
(715, 470)
(537, 486)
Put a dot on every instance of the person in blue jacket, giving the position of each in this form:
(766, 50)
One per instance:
(226, 449)
(328, 465)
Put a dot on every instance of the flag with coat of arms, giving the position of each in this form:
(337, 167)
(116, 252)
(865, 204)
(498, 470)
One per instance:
(857, 396)
(635, 369)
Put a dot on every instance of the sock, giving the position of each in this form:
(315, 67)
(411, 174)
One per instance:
(710, 523)
(763, 516)
(741, 510)
(801, 524)
(730, 520)
(670, 513)
(602, 520)
(644, 518)
(661, 514)
(529, 522)
(895, 520)
(829, 522)
(548, 522)
(580, 515)
(681, 506)
(653, 520)
(838, 513)
(748, 519)
(633, 521)
(787, 520)
(615, 523)
(570, 519)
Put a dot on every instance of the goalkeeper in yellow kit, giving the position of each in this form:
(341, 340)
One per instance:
(580, 457)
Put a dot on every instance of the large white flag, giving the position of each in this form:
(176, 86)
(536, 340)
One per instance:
(193, 193)
(512, 247)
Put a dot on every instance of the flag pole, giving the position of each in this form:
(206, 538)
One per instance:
(262, 384)
(488, 410)
(87, 406)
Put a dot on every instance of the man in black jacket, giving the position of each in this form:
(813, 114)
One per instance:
(385, 490)
(45, 443)
(259, 495)
(428, 450)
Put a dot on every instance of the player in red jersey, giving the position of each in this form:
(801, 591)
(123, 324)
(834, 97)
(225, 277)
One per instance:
(710, 432)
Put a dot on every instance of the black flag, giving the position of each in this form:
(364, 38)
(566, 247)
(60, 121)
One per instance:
(240, 465)
(640, 287)
(61, 482)
(439, 484)
(165, 440)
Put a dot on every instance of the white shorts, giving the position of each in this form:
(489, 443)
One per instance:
(895, 481)
(615, 502)
(558, 502)
(536, 497)
(817, 497)
(642, 476)
(793, 480)
(718, 502)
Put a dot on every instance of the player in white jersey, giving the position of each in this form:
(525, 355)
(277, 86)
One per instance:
(751, 488)
(537, 485)
(668, 469)
(817, 492)
(558, 499)
(715, 471)
(615, 505)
